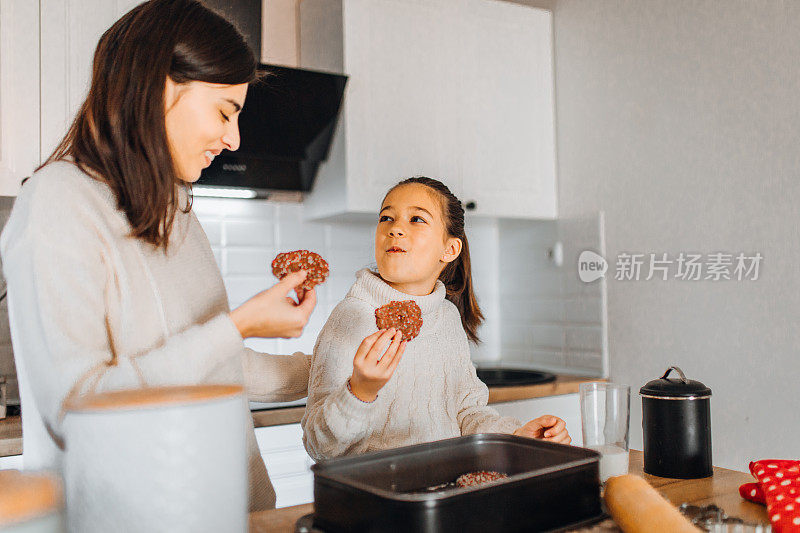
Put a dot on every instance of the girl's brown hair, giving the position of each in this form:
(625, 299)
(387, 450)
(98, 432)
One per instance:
(119, 134)
(457, 275)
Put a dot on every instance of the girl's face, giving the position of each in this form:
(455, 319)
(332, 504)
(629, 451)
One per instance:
(202, 119)
(411, 242)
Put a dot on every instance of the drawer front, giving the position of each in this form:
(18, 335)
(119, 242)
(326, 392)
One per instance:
(288, 464)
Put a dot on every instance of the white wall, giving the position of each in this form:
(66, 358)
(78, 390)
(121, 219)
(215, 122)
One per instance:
(681, 120)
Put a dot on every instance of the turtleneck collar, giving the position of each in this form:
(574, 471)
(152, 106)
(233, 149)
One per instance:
(371, 288)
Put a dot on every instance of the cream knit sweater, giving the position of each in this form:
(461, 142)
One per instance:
(94, 309)
(433, 394)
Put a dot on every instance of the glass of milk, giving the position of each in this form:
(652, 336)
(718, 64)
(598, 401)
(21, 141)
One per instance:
(605, 422)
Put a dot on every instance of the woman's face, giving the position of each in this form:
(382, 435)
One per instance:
(202, 119)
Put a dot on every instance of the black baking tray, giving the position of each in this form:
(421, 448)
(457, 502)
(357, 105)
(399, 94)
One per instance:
(550, 486)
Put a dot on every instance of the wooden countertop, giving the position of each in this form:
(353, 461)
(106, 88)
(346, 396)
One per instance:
(564, 384)
(10, 436)
(11, 427)
(721, 489)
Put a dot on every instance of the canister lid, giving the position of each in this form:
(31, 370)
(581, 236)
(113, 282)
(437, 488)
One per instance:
(150, 397)
(680, 387)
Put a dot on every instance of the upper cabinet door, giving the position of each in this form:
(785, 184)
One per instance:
(400, 102)
(459, 90)
(70, 31)
(505, 127)
(19, 93)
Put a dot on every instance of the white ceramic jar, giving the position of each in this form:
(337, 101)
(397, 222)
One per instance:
(169, 459)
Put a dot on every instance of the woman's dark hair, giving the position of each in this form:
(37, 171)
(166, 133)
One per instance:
(119, 134)
(457, 275)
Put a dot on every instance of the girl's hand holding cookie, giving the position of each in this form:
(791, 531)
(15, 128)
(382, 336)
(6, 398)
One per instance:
(374, 364)
(548, 427)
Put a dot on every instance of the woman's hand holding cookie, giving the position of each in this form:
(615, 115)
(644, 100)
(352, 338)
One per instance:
(374, 363)
(273, 313)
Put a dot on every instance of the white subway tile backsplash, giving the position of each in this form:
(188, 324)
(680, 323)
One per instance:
(342, 261)
(209, 207)
(574, 287)
(535, 359)
(216, 207)
(242, 288)
(213, 229)
(583, 310)
(584, 338)
(338, 285)
(482, 235)
(588, 361)
(288, 212)
(526, 234)
(249, 261)
(522, 336)
(547, 337)
(295, 235)
(549, 317)
(530, 262)
(531, 283)
(249, 233)
(546, 310)
(352, 236)
(534, 310)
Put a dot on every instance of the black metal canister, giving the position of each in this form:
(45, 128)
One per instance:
(676, 424)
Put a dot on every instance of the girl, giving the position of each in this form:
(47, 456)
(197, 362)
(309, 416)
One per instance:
(373, 401)
(111, 281)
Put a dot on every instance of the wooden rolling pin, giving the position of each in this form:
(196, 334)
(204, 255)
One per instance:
(637, 507)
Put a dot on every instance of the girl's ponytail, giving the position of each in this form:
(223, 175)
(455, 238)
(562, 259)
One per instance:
(457, 275)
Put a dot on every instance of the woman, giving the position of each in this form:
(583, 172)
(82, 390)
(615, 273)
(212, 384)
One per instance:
(112, 282)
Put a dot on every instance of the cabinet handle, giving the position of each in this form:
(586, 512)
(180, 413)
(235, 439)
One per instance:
(471, 205)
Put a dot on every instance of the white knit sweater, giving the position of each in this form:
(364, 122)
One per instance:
(433, 394)
(90, 305)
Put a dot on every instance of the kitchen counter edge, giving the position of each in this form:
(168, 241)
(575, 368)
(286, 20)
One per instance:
(563, 384)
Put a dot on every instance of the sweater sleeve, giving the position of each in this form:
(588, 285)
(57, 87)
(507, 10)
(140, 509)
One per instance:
(474, 415)
(336, 422)
(276, 378)
(55, 262)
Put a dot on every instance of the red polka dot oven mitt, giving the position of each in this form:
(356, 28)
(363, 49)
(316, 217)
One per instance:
(778, 487)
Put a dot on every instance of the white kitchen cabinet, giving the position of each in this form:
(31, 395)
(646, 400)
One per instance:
(70, 31)
(19, 93)
(11, 462)
(565, 406)
(46, 51)
(505, 121)
(460, 91)
(288, 464)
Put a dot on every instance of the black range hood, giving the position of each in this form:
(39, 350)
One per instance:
(286, 129)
